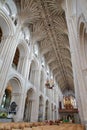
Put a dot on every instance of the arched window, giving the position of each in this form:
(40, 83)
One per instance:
(19, 59)
(16, 59)
(29, 103)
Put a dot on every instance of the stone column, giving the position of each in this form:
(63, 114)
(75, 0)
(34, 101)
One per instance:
(17, 97)
(35, 107)
(37, 78)
(44, 105)
(49, 111)
(5, 44)
(40, 111)
(53, 113)
(26, 67)
(32, 76)
(4, 65)
(76, 62)
(23, 100)
(7, 56)
(81, 86)
(20, 65)
(57, 107)
(35, 104)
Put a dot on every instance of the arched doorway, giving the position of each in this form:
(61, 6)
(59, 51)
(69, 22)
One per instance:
(28, 105)
(12, 94)
(40, 114)
(47, 110)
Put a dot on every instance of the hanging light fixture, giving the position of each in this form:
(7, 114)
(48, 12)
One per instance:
(49, 84)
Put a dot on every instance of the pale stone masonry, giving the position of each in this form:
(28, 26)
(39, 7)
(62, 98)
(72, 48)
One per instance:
(42, 40)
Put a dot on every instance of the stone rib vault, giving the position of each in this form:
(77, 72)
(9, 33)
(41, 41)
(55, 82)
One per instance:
(47, 21)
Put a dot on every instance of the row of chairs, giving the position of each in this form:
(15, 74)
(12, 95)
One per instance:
(39, 126)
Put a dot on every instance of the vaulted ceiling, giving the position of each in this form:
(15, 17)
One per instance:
(49, 28)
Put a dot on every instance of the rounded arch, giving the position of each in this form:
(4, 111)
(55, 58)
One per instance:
(30, 86)
(6, 24)
(19, 58)
(41, 98)
(16, 58)
(33, 72)
(16, 85)
(16, 77)
(29, 104)
(81, 28)
(7, 28)
(12, 92)
(81, 19)
(23, 46)
(30, 94)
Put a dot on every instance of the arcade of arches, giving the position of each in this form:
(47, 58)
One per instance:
(43, 59)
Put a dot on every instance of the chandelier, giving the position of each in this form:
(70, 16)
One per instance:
(49, 84)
